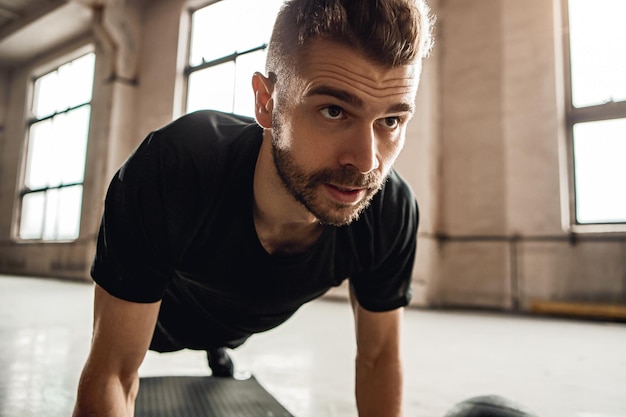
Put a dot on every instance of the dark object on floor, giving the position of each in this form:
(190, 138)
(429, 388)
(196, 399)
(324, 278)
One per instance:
(205, 396)
(489, 406)
(220, 363)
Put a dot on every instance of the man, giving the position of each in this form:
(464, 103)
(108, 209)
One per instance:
(218, 227)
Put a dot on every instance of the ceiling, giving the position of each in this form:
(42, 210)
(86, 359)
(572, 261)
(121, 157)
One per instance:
(30, 27)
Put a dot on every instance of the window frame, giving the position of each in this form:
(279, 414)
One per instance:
(189, 69)
(49, 66)
(574, 115)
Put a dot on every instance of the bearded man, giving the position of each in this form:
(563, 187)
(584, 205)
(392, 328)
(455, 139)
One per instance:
(219, 226)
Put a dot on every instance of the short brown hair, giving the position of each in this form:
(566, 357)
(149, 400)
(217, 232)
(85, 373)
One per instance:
(388, 32)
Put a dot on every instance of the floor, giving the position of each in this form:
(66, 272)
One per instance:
(558, 368)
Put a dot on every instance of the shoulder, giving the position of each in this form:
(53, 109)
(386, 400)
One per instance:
(179, 173)
(196, 151)
(197, 142)
(395, 203)
(205, 129)
(207, 122)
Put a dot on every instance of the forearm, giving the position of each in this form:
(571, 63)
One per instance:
(108, 396)
(379, 388)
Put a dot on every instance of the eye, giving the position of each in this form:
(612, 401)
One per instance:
(332, 112)
(390, 122)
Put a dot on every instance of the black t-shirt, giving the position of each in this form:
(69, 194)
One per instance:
(178, 227)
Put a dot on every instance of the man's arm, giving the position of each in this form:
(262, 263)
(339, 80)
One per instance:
(378, 362)
(121, 336)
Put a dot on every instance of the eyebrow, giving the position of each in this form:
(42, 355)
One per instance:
(337, 93)
(353, 100)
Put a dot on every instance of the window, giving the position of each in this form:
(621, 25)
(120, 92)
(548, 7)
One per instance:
(228, 44)
(596, 48)
(52, 190)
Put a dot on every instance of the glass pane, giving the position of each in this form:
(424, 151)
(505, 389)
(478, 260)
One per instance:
(69, 86)
(71, 134)
(57, 149)
(64, 80)
(600, 171)
(31, 223)
(76, 81)
(208, 25)
(221, 29)
(68, 221)
(50, 224)
(245, 67)
(46, 95)
(40, 163)
(212, 88)
(598, 51)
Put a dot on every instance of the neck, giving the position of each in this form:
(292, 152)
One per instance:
(283, 225)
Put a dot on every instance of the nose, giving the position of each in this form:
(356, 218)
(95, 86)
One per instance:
(360, 150)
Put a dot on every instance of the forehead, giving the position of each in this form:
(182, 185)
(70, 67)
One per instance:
(328, 63)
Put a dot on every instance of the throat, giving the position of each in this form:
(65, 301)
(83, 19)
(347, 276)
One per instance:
(283, 225)
(288, 239)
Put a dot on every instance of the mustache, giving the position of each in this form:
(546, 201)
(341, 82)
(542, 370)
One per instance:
(346, 177)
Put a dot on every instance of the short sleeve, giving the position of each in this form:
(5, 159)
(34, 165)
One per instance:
(133, 260)
(386, 283)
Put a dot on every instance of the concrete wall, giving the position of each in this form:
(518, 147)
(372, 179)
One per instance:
(495, 238)
(4, 102)
(483, 153)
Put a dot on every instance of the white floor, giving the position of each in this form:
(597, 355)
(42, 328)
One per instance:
(558, 368)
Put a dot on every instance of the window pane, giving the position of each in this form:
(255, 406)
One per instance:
(69, 86)
(52, 214)
(40, 165)
(598, 51)
(57, 149)
(246, 66)
(221, 29)
(31, 224)
(212, 88)
(50, 224)
(46, 95)
(208, 25)
(600, 171)
(69, 203)
(71, 131)
(76, 81)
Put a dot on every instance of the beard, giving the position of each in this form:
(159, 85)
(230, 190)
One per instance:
(307, 188)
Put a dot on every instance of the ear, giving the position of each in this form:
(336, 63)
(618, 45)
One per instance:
(263, 100)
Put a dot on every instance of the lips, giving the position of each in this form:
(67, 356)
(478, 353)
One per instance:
(345, 195)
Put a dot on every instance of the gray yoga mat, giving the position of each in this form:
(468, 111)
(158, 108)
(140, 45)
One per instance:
(205, 396)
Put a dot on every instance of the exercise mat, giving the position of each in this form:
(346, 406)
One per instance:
(205, 396)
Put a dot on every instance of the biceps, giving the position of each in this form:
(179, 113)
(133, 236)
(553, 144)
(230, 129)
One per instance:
(122, 332)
